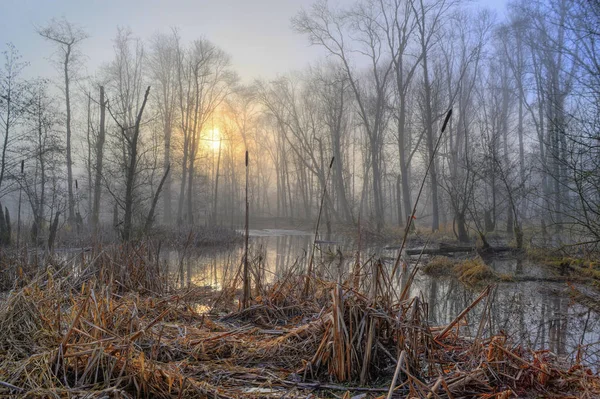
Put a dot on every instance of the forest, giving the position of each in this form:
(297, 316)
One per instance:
(414, 214)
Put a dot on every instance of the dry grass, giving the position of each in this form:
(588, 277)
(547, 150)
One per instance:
(100, 337)
(439, 266)
(506, 277)
(472, 271)
(588, 266)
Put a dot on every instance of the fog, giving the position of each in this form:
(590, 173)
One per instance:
(300, 199)
(135, 126)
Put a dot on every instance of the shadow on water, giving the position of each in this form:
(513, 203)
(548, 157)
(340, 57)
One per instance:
(535, 314)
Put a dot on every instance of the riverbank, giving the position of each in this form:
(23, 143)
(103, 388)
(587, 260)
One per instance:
(119, 328)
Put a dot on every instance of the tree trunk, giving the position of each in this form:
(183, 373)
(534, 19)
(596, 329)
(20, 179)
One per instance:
(435, 222)
(69, 159)
(189, 217)
(463, 235)
(99, 162)
(246, 271)
(401, 221)
(377, 192)
(39, 214)
(150, 217)
(337, 154)
(132, 172)
(403, 166)
(89, 153)
(216, 195)
(53, 230)
(183, 180)
(167, 197)
(4, 237)
(6, 132)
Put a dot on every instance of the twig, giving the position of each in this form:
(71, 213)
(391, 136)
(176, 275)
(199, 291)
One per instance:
(462, 314)
(11, 386)
(396, 373)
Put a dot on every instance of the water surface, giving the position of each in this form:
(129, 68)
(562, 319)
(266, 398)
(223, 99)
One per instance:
(534, 313)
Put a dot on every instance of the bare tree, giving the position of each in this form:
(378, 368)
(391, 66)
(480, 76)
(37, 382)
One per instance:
(129, 148)
(14, 101)
(553, 72)
(163, 72)
(66, 37)
(332, 30)
(204, 80)
(581, 161)
(237, 122)
(399, 24)
(99, 150)
(331, 84)
(131, 135)
(41, 152)
(462, 59)
(429, 19)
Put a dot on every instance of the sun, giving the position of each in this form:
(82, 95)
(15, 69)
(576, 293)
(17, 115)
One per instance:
(214, 139)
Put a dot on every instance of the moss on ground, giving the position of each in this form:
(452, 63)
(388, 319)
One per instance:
(582, 266)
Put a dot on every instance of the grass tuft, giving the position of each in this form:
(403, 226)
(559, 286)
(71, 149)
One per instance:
(439, 266)
(474, 271)
(470, 271)
(582, 266)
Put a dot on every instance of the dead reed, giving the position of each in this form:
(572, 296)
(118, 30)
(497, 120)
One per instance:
(112, 333)
(471, 271)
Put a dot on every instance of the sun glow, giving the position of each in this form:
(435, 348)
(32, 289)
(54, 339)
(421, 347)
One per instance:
(214, 139)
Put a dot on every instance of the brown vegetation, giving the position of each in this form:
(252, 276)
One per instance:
(471, 271)
(567, 264)
(117, 329)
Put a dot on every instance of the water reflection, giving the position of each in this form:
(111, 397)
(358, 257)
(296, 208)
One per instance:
(278, 250)
(532, 313)
(536, 315)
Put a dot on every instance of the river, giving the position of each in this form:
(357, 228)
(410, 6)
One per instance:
(534, 313)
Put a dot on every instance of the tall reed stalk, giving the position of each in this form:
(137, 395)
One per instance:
(246, 287)
(19, 211)
(312, 250)
(414, 210)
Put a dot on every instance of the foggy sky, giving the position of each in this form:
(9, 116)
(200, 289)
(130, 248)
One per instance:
(256, 33)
